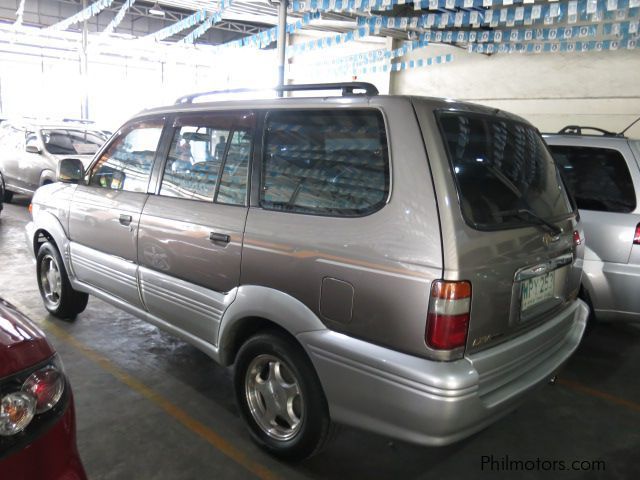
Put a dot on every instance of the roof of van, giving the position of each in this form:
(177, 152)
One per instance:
(432, 103)
(28, 122)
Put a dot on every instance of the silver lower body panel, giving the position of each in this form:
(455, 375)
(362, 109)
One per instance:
(437, 403)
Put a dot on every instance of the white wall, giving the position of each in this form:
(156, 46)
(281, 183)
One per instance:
(311, 67)
(551, 90)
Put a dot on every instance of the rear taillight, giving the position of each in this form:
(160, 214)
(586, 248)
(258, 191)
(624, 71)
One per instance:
(16, 412)
(636, 237)
(576, 238)
(46, 386)
(41, 391)
(448, 317)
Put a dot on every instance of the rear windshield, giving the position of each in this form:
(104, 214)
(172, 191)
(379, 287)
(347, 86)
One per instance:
(72, 142)
(502, 167)
(597, 177)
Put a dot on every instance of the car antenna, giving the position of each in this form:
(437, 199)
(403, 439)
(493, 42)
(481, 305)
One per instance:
(632, 124)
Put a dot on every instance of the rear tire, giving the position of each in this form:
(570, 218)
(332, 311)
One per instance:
(59, 298)
(280, 397)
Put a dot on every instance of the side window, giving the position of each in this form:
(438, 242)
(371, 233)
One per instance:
(209, 154)
(598, 178)
(233, 183)
(325, 162)
(127, 162)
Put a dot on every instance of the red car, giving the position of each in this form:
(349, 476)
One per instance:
(37, 418)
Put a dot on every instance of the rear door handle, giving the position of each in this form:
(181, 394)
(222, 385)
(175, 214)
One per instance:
(219, 237)
(125, 219)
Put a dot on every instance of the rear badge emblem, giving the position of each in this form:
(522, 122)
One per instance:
(548, 239)
(481, 340)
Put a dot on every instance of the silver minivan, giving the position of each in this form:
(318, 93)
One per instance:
(405, 265)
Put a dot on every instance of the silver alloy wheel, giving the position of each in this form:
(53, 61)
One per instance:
(274, 397)
(50, 280)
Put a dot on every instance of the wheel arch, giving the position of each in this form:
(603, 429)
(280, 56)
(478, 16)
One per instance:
(47, 176)
(49, 229)
(258, 308)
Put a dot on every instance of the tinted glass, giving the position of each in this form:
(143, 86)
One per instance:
(127, 162)
(233, 183)
(598, 178)
(72, 142)
(501, 167)
(194, 162)
(325, 162)
(210, 154)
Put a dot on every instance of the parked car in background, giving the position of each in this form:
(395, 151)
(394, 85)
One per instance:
(602, 171)
(1, 194)
(30, 151)
(37, 418)
(405, 265)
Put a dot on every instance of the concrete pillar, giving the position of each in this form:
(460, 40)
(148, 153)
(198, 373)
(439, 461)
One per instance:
(282, 41)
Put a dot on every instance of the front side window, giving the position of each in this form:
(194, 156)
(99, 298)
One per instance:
(72, 142)
(503, 171)
(209, 159)
(598, 178)
(126, 164)
(325, 162)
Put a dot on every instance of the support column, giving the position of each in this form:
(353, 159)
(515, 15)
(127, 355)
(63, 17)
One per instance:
(282, 41)
(392, 44)
(84, 76)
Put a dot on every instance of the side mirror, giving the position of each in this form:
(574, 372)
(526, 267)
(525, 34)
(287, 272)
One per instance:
(70, 170)
(32, 149)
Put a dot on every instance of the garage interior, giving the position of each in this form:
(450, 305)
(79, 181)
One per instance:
(150, 406)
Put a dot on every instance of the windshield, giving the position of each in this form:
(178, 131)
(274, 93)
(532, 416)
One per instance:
(72, 142)
(502, 167)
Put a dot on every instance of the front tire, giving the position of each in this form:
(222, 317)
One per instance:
(5, 195)
(280, 397)
(59, 298)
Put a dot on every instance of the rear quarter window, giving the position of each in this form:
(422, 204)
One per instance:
(325, 162)
(598, 178)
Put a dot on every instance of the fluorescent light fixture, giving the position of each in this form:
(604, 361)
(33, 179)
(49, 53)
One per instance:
(156, 10)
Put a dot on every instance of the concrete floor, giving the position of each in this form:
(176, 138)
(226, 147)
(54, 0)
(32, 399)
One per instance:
(150, 406)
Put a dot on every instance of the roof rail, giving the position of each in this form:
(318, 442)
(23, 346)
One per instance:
(348, 88)
(78, 120)
(577, 130)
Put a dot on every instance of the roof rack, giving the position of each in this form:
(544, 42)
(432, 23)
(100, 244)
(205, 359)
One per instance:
(348, 88)
(577, 130)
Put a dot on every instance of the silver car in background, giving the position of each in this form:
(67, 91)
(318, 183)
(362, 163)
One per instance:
(405, 265)
(602, 171)
(30, 151)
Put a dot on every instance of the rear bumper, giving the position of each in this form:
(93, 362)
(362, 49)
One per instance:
(51, 456)
(437, 403)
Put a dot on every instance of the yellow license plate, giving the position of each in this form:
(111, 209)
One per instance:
(536, 290)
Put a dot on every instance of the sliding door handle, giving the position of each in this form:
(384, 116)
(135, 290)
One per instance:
(219, 237)
(125, 219)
